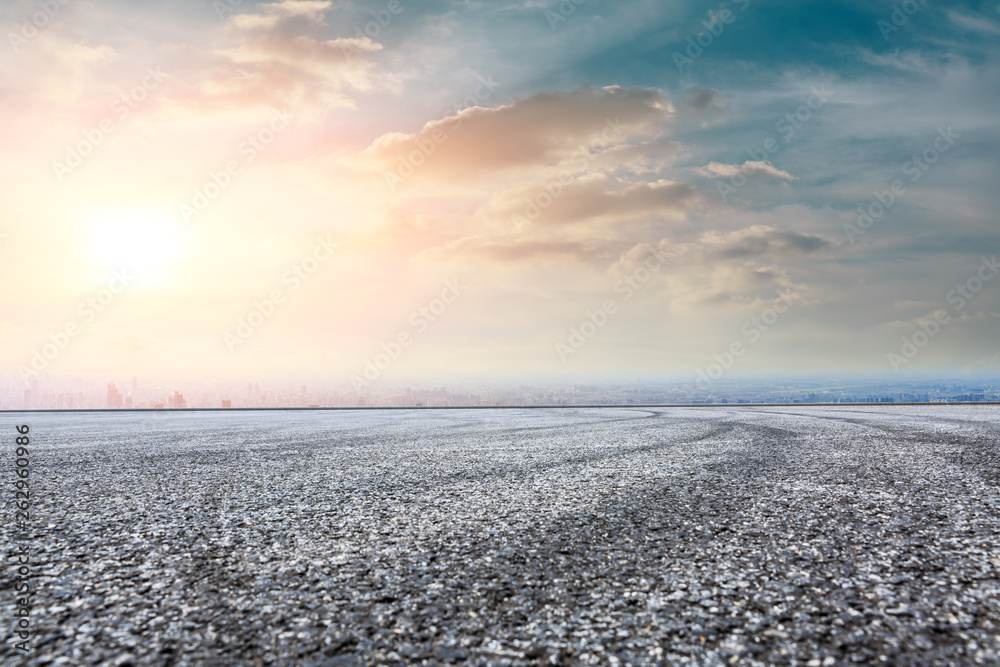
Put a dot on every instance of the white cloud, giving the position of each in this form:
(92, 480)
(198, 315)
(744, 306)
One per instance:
(720, 170)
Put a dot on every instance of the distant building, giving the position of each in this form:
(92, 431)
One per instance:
(115, 400)
(227, 402)
(177, 400)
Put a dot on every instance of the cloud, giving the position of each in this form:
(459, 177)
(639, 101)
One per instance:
(760, 240)
(720, 170)
(542, 129)
(274, 61)
(63, 69)
(749, 246)
(905, 61)
(971, 22)
(691, 276)
(706, 100)
(276, 12)
(595, 197)
(742, 266)
(704, 106)
(753, 284)
(642, 157)
(519, 250)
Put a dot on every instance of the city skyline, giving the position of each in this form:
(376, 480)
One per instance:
(83, 394)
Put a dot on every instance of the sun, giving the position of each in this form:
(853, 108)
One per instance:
(135, 239)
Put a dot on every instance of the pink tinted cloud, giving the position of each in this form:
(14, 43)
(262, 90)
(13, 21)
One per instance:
(540, 129)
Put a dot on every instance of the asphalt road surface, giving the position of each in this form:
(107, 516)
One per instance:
(710, 536)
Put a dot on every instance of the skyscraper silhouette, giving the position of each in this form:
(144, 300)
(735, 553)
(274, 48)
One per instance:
(114, 398)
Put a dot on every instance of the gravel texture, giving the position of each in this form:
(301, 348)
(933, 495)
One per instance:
(709, 536)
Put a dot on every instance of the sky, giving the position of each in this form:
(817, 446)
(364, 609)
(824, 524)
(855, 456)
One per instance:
(399, 190)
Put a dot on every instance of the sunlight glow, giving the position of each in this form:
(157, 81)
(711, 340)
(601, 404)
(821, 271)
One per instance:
(137, 239)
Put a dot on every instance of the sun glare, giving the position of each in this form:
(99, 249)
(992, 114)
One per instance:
(139, 240)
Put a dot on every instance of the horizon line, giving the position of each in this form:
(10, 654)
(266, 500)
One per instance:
(496, 407)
